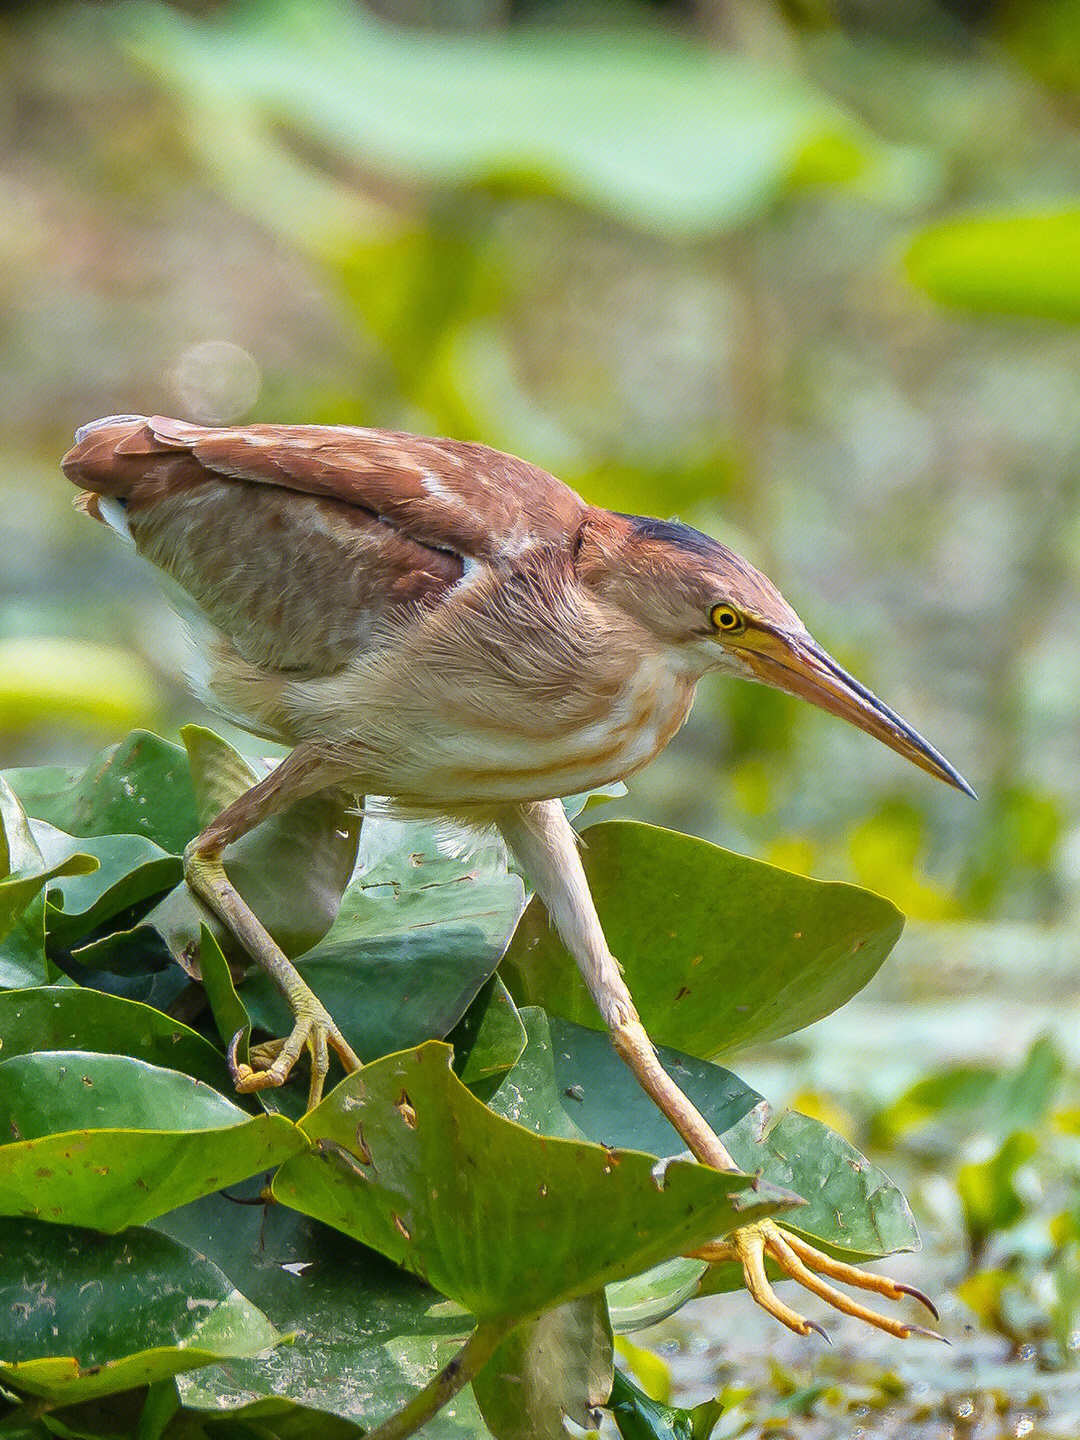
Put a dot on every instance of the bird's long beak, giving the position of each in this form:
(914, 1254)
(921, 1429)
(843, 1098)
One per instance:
(799, 665)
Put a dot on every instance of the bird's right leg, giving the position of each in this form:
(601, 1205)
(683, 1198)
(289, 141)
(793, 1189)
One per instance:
(546, 844)
(302, 773)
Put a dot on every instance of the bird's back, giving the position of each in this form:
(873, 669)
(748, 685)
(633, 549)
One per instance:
(300, 543)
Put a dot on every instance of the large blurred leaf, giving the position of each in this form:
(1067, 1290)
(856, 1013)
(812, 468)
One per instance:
(82, 1315)
(60, 1017)
(404, 1158)
(110, 1141)
(547, 1371)
(365, 1335)
(420, 929)
(24, 871)
(140, 787)
(719, 950)
(57, 680)
(1008, 264)
(645, 127)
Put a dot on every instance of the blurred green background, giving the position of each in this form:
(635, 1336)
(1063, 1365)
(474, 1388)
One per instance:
(805, 274)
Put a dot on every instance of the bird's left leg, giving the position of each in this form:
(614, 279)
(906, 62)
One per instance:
(304, 772)
(546, 844)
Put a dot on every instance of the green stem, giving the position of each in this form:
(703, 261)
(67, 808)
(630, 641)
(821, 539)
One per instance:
(454, 1376)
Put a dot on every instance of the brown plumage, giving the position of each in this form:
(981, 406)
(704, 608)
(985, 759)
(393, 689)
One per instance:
(456, 629)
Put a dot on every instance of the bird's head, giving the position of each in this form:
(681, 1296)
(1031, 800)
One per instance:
(715, 611)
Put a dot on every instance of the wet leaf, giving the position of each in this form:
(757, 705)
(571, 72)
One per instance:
(110, 1141)
(402, 1160)
(547, 1371)
(719, 950)
(24, 871)
(638, 1417)
(851, 1205)
(84, 1315)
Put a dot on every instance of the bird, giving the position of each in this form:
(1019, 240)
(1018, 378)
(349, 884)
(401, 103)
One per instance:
(438, 622)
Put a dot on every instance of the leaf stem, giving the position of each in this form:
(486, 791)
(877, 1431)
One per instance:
(454, 1376)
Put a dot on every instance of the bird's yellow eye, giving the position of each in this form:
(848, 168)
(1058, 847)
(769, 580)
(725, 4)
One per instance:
(727, 619)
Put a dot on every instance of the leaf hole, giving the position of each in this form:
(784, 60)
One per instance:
(406, 1109)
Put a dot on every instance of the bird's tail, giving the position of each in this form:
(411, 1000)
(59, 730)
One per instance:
(109, 463)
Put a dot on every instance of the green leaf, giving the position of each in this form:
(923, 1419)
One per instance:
(110, 1141)
(851, 1205)
(418, 933)
(719, 950)
(22, 949)
(403, 1160)
(555, 1368)
(291, 869)
(140, 787)
(645, 127)
(131, 869)
(988, 1192)
(365, 1336)
(24, 872)
(230, 1017)
(82, 1315)
(996, 1101)
(61, 1017)
(1004, 264)
(638, 1417)
(488, 1039)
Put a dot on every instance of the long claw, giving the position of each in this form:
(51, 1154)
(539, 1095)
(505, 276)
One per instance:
(921, 1298)
(851, 1275)
(802, 1262)
(314, 1032)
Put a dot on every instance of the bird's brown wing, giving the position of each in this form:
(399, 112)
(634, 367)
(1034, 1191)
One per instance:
(298, 542)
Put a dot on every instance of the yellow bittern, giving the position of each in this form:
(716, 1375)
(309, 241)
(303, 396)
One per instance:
(454, 628)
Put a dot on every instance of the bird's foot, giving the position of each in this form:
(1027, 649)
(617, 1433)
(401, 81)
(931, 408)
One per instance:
(750, 1245)
(273, 1061)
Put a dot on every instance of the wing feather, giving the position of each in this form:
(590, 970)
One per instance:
(300, 542)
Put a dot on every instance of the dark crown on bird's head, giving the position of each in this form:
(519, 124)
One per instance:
(672, 577)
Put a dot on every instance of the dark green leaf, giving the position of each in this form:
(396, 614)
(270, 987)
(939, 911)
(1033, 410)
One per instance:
(57, 1017)
(24, 871)
(291, 869)
(419, 931)
(719, 950)
(140, 787)
(403, 1160)
(850, 1204)
(366, 1335)
(488, 1039)
(638, 1417)
(549, 1370)
(109, 1141)
(131, 869)
(82, 1315)
(22, 949)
